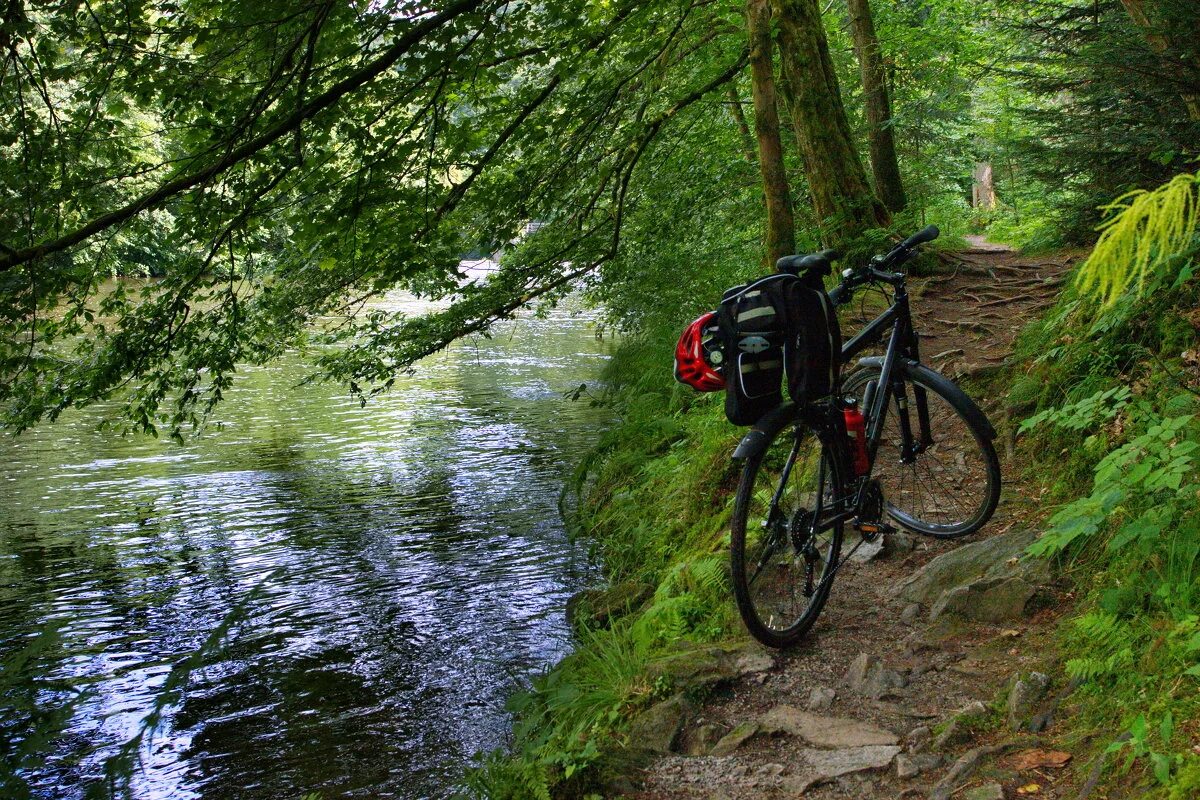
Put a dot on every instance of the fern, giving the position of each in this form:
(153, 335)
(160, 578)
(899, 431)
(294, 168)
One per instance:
(1111, 641)
(1142, 230)
(1079, 415)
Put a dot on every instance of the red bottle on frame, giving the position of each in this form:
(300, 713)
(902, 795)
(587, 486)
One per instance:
(856, 431)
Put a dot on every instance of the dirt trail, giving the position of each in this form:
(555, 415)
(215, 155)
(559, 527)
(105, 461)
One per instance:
(918, 674)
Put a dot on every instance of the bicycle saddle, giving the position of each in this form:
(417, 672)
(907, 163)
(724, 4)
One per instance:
(813, 262)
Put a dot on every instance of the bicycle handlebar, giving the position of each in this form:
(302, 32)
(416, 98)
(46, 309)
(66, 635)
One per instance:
(921, 237)
(875, 270)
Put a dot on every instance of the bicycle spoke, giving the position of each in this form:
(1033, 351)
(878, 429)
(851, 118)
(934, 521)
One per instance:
(948, 487)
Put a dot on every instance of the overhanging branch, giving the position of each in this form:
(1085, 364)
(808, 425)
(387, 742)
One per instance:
(183, 183)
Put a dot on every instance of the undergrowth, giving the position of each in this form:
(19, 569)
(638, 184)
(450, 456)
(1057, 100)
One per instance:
(1112, 432)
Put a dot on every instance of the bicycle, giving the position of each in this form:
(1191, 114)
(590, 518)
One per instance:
(933, 470)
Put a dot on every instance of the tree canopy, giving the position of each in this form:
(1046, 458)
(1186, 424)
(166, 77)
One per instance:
(267, 168)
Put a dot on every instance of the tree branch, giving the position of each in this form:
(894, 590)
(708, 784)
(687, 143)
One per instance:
(323, 101)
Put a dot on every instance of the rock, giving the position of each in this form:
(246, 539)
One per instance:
(867, 551)
(972, 711)
(918, 738)
(703, 666)
(700, 740)
(898, 543)
(825, 765)
(910, 766)
(952, 734)
(1023, 698)
(964, 564)
(860, 668)
(910, 612)
(867, 676)
(906, 767)
(961, 726)
(734, 739)
(753, 662)
(657, 728)
(825, 731)
(961, 769)
(821, 698)
(597, 608)
(995, 599)
(988, 791)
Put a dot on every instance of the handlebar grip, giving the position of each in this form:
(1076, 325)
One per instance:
(922, 236)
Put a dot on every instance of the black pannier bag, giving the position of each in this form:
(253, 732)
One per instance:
(774, 326)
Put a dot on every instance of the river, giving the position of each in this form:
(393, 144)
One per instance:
(398, 568)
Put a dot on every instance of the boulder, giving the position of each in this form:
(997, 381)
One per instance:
(825, 731)
(987, 599)
(986, 581)
(597, 608)
(658, 727)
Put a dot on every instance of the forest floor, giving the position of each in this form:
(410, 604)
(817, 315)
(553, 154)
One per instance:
(897, 680)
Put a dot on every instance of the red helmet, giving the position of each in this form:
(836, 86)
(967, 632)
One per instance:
(698, 348)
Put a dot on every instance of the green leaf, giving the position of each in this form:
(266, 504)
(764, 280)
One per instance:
(1162, 768)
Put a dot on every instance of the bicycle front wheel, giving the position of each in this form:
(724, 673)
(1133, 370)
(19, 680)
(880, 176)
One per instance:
(783, 555)
(950, 486)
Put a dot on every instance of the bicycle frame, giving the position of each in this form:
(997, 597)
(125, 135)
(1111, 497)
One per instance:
(902, 343)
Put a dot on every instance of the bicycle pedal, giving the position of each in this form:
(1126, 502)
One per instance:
(870, 530)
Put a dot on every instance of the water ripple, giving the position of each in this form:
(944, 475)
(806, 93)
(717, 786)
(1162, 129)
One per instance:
(404, 560)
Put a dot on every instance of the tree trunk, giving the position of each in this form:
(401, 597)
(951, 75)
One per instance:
(983, 187)
(781, 225)
(739, 119)
(842, 197)
(880, 136)
(1163, 42)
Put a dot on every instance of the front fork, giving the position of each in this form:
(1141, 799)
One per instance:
(912, 446)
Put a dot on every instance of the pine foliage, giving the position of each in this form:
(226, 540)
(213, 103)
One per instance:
(1142, 230)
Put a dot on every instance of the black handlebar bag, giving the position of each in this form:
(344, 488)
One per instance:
(774, 327)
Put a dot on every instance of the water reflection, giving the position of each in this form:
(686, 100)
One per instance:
(421, 567)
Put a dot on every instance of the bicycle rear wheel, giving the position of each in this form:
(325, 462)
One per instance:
(783, 563)
(951, 486)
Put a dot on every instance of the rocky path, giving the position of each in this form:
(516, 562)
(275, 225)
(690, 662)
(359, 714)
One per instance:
(926, 676)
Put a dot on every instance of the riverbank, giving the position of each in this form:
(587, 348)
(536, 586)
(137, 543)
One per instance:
(919, 706)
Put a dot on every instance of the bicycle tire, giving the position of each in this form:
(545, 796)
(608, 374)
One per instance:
(751, 589)
(974, 455)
